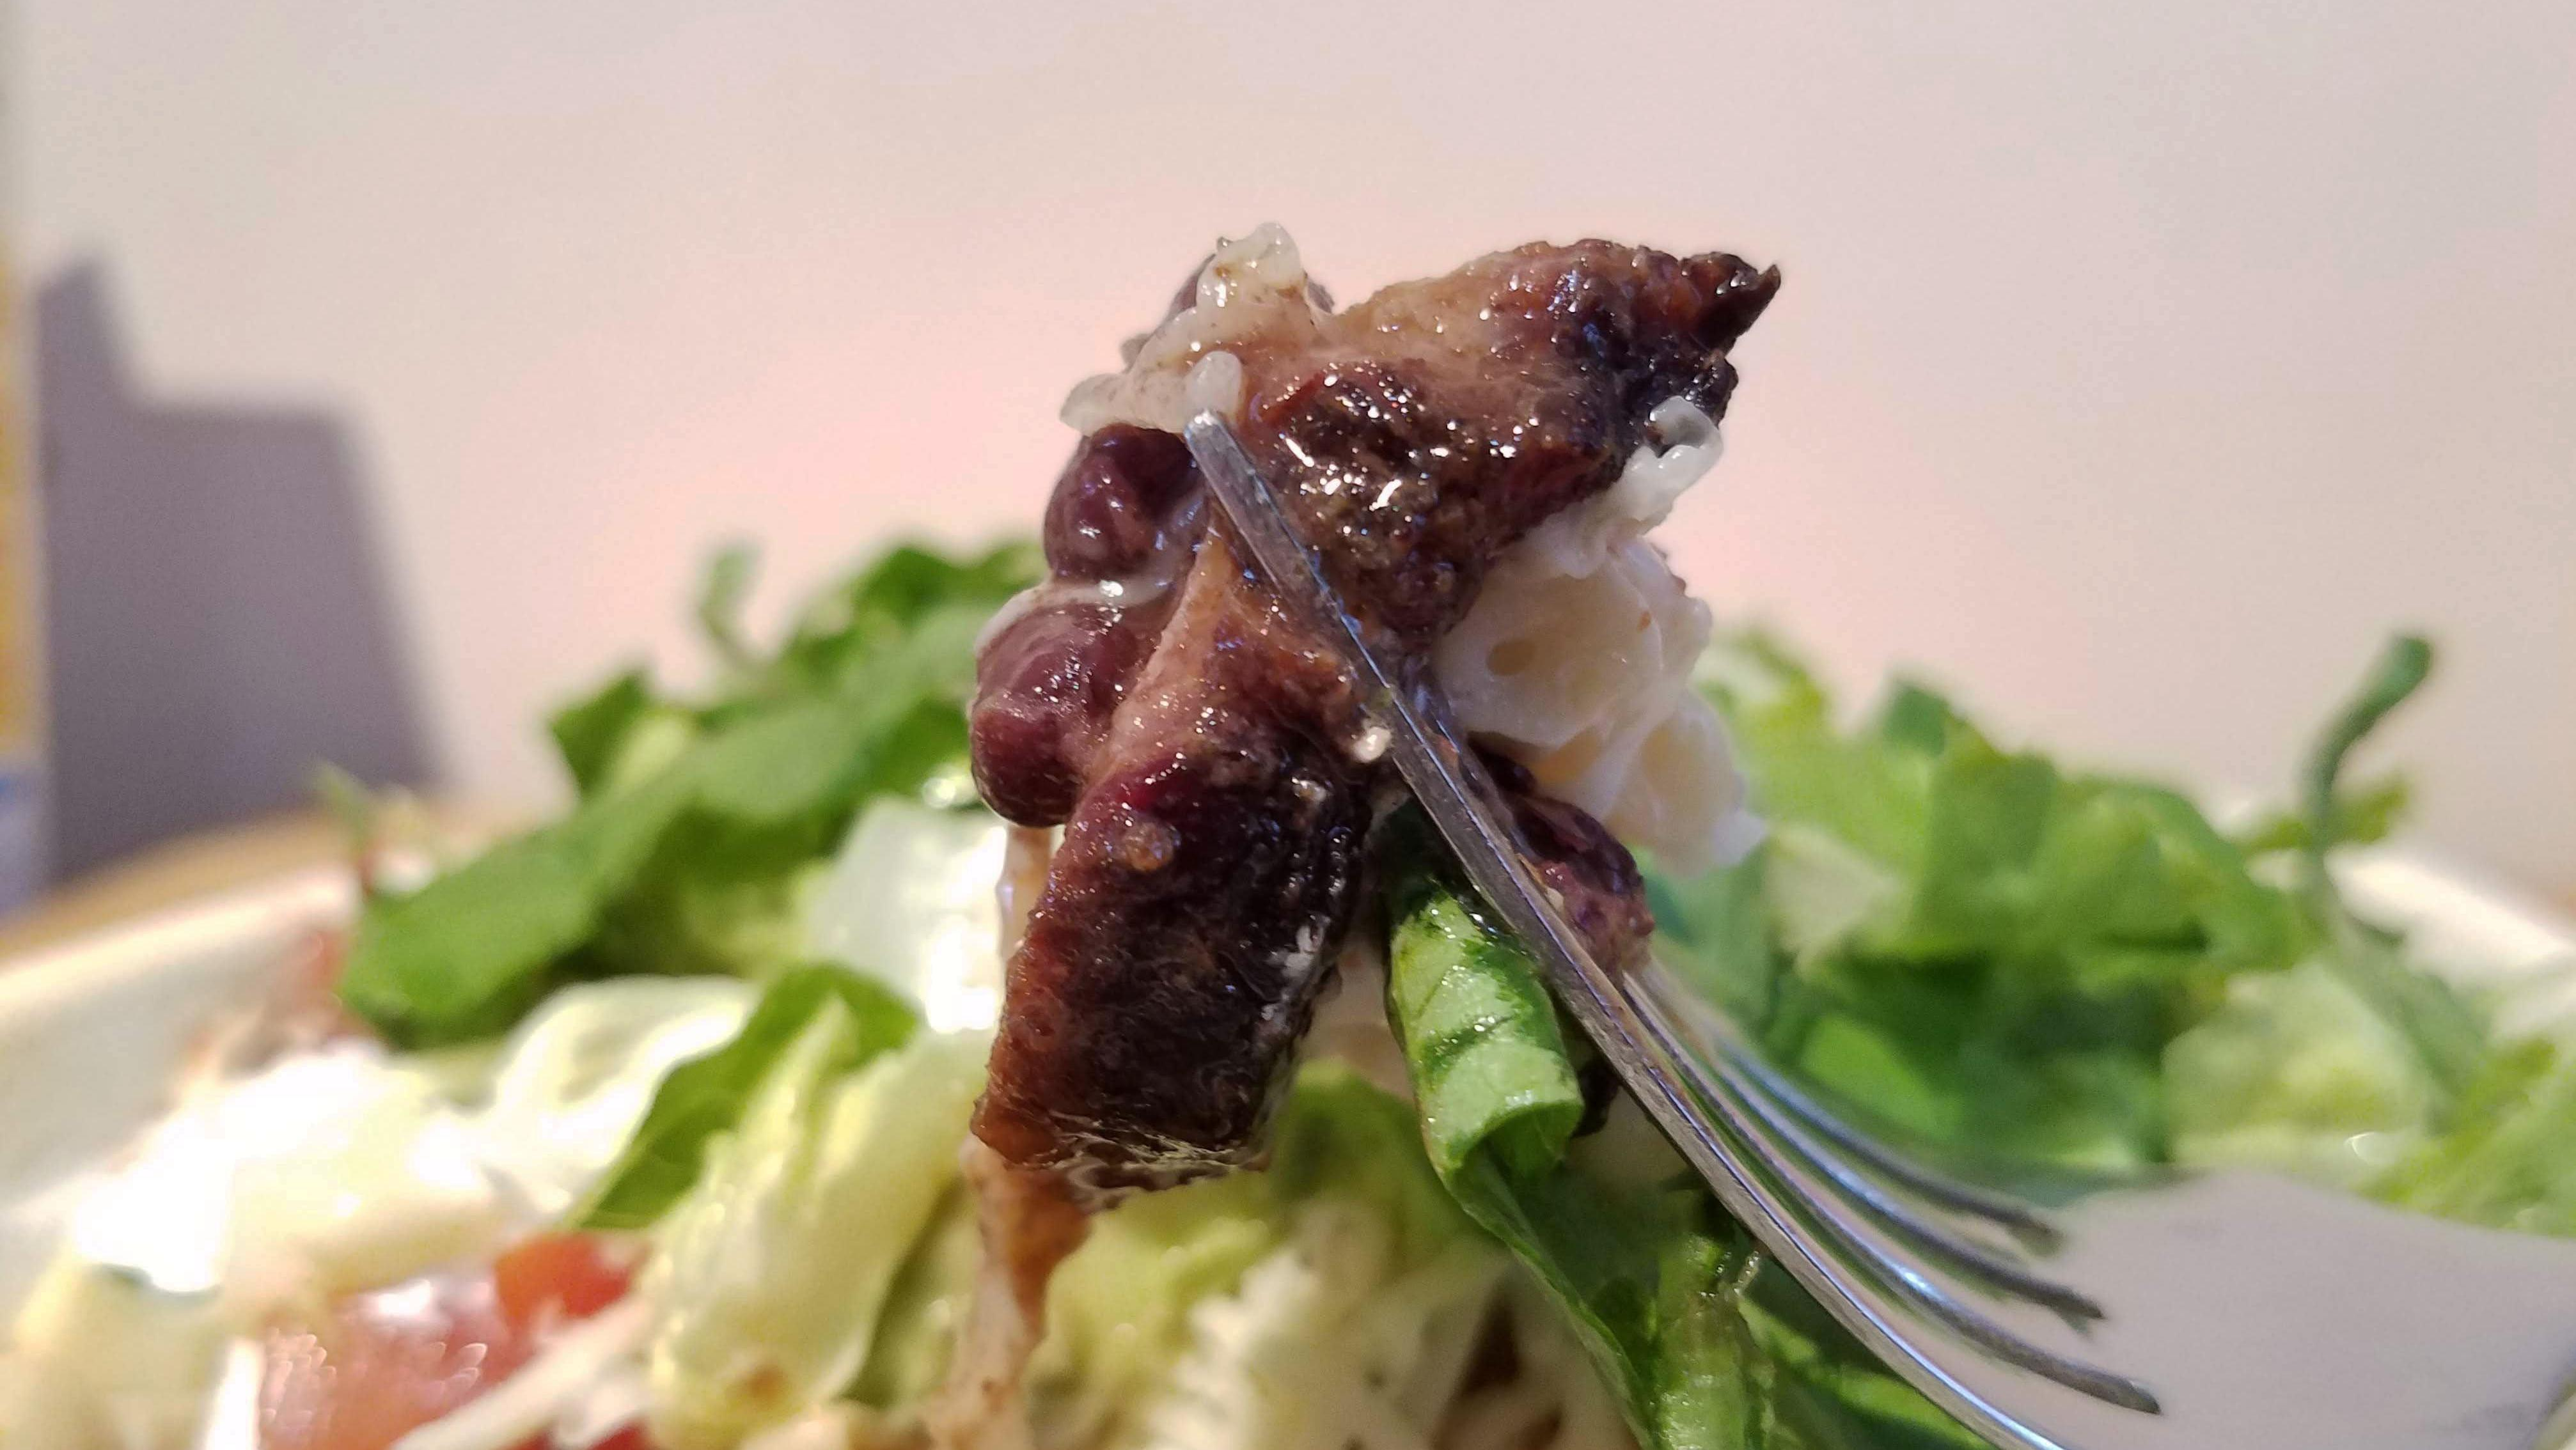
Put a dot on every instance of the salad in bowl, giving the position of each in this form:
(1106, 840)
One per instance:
(1014, 1009)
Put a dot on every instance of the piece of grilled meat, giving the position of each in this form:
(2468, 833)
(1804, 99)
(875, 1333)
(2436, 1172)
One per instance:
(1204, 754)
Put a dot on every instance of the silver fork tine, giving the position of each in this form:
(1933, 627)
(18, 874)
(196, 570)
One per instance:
(1456, 793)
(1727, 1045)
(1784, 1134)
(1850, 1242)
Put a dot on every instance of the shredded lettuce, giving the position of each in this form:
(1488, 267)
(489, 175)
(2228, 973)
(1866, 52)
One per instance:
(1976, 947)
(770, 1274)
(699, 822)
(709, 1095)
(2511, 1160)
(909, 899)
(917, 1330)
(1125, 1309)
(1330, 1342)
(581, 1073)
(2294, 1070)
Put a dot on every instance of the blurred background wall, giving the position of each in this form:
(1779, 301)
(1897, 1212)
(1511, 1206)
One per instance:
(2139, 366)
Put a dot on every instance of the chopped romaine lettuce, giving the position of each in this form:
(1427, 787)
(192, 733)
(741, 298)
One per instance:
(770, 1275)
(710, 1095)
(1981, 949)
(1645, 1265)
(909, 899)
(699, 823)
(2511, 1161)
(1489, 1065)
(579, 1075)
(1123, 1310)
(2295, 1071)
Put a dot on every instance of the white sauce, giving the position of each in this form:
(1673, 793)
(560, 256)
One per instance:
(1255, 286)
(1577, 656)
(344, 1168)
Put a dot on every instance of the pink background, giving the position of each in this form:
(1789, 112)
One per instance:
(2138, 367)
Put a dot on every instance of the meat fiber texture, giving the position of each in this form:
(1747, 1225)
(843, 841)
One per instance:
(1517, 423)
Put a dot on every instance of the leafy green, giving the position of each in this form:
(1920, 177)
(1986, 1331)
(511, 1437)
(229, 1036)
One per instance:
(720, 598)
(2507, 1157)
(1851, 1398)
(699, 822)
(2363, 815)
(590, 733)
(1976, 946)
(2400, 671)
(1124, 1312)
(2295, 1070)
(1980, 948)
(1646, 1266)
(917, 1330)
(770, 1275)
(1970, 943)
(908, 899)
(2448, 1033)
(2511, 1162)
(1489, 1065)
(707, 1096)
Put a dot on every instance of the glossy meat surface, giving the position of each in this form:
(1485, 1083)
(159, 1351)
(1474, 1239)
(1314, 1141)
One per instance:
(1432, 425)
(1202, 751)
(1210, 868)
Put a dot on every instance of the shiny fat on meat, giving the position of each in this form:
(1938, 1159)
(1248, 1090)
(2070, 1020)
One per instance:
(1201, 750)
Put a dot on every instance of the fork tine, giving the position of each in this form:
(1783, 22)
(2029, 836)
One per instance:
(1910, 1285)
(1726, 1043)
(1986, 1265)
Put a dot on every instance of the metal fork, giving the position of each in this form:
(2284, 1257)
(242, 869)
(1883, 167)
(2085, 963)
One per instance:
(2231, 1311)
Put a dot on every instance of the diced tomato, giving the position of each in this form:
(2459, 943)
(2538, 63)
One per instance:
(631, 1437)
(559, 1276)
(386, 1363)
(390, 1361)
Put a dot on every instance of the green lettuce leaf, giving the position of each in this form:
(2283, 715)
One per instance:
(1490, 1071)
(1984, 949)
(1850, 1398)
(2511, 1160)
(592, 733)
(2296, 1071)
(1126, 1313)
(708, 1096)
(2449, 1033)
(1966, 943)
(1643, 1263)
(769, 1277)
(700, 824)
(727, 583)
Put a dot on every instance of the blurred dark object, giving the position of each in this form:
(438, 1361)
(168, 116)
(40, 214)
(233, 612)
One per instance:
(215, 604)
